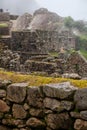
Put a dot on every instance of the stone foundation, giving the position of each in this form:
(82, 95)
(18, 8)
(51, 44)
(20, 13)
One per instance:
(50, 107)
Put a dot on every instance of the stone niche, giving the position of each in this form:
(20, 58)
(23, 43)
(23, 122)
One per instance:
(49, 107)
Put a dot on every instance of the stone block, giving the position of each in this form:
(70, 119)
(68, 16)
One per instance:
(36, 113)
(83, 115)
(34, 97)
(19, 112)
(3, 106)
(80, 99)
(16, 92)
(80, 125)
(60, 91)
(2, 93)
(35, 123)
(59, 121)
(52, 104)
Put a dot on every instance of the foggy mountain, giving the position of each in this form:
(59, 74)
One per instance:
(19, 6)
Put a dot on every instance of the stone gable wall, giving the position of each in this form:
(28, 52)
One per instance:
(49, 107)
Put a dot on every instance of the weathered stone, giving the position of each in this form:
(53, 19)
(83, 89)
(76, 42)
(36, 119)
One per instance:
(4, 128)
(13, 122)
(18, 111)
(26, 106)
(17, 92)
(56, 105)
(66, 105)
(35, 123)
(83, 115)
(80, 99)
(46, 111)
(58, 121)
(2, 93)
(4, 84)
(61, 91)
(52, 104)
(71, 76)
(36, 112)
(34, 97)
(80, 125)
(75, 115)
(3, 106)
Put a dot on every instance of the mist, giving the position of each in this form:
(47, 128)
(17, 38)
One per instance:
(74, 8)
(77, 9)
(19, 6)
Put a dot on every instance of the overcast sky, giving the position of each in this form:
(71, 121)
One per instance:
(75, 8)
(19, 6)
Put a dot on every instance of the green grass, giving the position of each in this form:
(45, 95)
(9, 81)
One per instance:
(54, 54)
(84, 53)
(3, 25)
(34, 80)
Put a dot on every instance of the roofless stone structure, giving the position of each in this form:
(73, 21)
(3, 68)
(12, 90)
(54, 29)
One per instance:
(41, 41)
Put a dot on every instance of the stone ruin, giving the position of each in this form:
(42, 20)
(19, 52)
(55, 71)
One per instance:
(41, 41)
(29, 50)
(74, 66)
(4, 22)
(4, 16)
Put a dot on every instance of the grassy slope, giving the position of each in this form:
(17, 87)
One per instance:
(84, 53)
(39, 80)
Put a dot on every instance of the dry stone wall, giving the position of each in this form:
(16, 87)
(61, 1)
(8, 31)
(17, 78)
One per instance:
(41, 42)
(4, 31)
(77, 63)
(6, 41)
(49, 107)
(13, 17)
